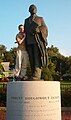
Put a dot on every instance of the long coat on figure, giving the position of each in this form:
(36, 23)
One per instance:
(38, 54)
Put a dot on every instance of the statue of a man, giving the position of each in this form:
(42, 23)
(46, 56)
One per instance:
(36, 33)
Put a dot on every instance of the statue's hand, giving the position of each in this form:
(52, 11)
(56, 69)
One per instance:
(37, 30)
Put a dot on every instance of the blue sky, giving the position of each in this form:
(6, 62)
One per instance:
(56, 14)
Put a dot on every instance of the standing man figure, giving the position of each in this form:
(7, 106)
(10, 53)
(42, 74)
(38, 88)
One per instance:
(21, 58)
(36, 33)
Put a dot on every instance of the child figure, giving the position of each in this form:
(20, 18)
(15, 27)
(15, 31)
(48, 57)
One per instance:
(21, 58)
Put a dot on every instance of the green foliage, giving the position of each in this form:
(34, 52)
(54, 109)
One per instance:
(1, 68)
(2, 52)
(7, 56)
(46, 74)
(52, 51)
(2, 49)
(58, 65)
(13, 55)
(66, 77)
(66, 99)
(3, 96)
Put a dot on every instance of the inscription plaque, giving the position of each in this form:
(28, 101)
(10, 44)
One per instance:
(33, 100)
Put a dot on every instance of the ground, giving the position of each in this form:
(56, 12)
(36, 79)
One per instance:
(2, 114)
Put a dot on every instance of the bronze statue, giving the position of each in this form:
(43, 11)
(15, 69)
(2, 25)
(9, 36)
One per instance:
(36, 33)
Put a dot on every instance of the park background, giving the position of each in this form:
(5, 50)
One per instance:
(56, 14)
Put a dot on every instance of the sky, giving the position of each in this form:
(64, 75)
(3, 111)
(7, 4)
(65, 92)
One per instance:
(56, 14)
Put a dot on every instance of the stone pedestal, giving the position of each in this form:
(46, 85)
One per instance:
(33, 100)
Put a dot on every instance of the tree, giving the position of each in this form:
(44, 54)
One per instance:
(1, 68)
(2, 52)
(68, 62)
(52, 51)
(46, 74)
(2, 49)
(13, 54)
(58, 65)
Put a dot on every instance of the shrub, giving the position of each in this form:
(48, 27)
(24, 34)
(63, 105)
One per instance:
(46, 74)
(3, 97)
(66, 99)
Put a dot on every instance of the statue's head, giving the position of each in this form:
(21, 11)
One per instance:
(32, 9)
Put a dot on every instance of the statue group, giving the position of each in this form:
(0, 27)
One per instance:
(36, 41)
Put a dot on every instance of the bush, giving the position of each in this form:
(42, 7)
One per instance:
(3, 97)
(46, 74)
(66, 99)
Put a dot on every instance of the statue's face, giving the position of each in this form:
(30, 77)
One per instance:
(33, 9)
